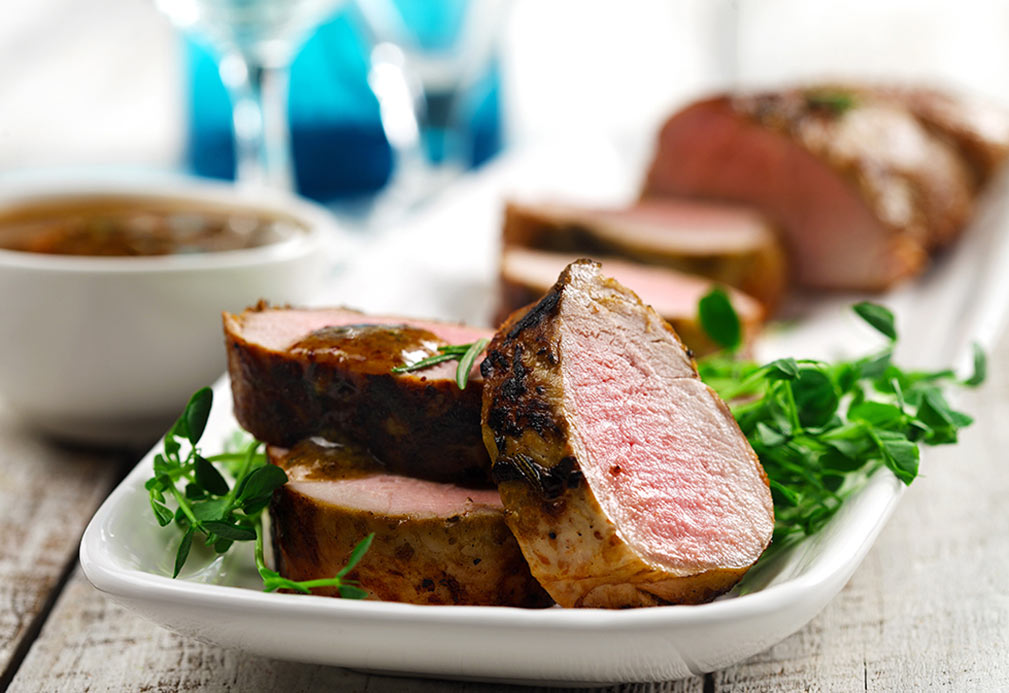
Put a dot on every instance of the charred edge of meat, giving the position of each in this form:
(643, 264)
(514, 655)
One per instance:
(536, 314)
(515, 386)
(512, 417)
(499, 443)
(494, 359)
(550, 482)
(516, 412)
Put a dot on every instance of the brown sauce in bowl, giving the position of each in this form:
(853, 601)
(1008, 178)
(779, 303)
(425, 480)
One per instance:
(136, 227)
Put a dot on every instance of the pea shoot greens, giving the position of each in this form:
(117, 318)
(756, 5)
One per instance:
(221, 514)
(820, 429)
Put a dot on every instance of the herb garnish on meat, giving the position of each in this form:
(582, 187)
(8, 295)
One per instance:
(465, 354)
(221, 514)
(821, 429)
(833, 101)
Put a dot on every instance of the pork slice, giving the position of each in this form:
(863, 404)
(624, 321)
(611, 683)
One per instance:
(729, 244)
(861, 191)
(435, 543)
(627, 481)
(528, 274)
(299, 373)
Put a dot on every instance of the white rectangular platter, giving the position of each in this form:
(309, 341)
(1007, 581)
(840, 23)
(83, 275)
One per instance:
(443, 265)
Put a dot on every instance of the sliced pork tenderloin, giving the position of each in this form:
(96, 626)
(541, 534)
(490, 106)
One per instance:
(528, 274)
(299, 373)
(434, 543)
(626, 480)
(729, 244)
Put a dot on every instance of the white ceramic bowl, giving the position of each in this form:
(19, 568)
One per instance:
(107, 350)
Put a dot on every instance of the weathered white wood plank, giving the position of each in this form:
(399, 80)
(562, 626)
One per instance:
(90, 644)
(47, 495)
(929, 607)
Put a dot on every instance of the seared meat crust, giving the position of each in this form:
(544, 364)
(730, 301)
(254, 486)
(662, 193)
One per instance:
(417, 423)
(468, 557)
(579, 555)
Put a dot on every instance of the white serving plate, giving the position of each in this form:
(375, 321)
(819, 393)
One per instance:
(125, 554)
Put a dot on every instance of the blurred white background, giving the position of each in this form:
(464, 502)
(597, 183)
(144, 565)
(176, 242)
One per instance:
(102, 82)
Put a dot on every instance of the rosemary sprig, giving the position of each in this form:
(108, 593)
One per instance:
(465, 354)
(220, 513)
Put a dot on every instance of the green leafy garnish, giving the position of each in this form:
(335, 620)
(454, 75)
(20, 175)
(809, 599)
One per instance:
(221, 514)
(348, 589)
(465, 354)
(878, 316)
(466, 362)
(196, 413)
(821, 429)
(980, 367)
(719, 319)
(834, 101)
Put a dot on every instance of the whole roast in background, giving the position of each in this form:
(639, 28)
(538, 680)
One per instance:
(863, 183)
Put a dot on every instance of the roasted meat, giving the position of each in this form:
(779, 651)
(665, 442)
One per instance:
(300, 373)
(626, 480)
(859, 187)
(978, 129)
(729, 244)
(434, 543)
(528, 274)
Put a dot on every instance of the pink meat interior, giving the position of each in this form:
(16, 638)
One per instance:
(672, 294)
(399, 496)
(661, 453)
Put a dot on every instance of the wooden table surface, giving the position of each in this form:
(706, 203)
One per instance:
(928, 609)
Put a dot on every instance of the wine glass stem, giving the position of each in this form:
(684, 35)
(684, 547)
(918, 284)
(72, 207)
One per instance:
(262, 137)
